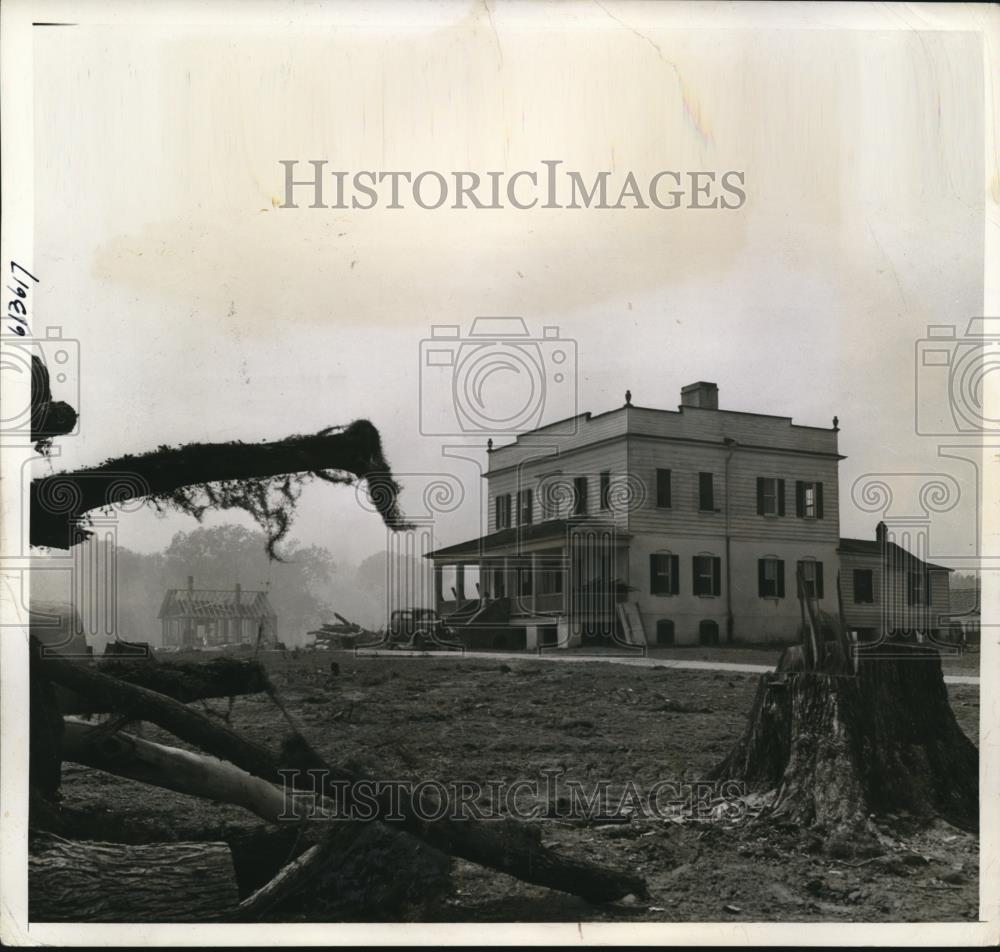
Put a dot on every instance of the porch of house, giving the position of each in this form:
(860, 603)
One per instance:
(555, 589)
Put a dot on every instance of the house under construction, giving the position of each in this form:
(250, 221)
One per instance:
(197, 618)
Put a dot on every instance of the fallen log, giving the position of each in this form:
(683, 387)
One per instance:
(82, 881)
(189, 680)
(180, 770)
(512, 848)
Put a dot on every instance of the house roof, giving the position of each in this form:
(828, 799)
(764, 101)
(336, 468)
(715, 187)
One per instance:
(552, 529)
(215, 603)
(873, 549)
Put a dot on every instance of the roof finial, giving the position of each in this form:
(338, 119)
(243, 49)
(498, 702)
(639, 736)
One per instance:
(628, 398)
(489, 445)
(836, 423)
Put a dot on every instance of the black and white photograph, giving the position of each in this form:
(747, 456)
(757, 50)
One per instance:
(504, 472)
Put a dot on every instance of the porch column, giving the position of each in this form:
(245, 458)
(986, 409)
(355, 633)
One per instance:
(438, 584)
(459, 583)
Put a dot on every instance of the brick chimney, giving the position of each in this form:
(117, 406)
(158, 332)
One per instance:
(700, 394)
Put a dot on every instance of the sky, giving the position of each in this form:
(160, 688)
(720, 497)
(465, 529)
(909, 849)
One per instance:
(204, 311)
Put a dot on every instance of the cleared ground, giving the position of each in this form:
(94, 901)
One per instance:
(490, 719)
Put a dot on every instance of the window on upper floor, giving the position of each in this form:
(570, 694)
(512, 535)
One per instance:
(771, 578)
(525, 507)
(706, 492)
(664, 572)
(808, 500)
(770, 496)
(663, 489)
(580, 496)
(706, 571)
(502, 511)
(605, 490)
(812, 577)
(864, 587)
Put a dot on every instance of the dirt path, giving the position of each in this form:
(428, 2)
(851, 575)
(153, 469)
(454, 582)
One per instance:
(642, 662)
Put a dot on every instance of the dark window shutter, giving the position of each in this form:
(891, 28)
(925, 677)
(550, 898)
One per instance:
(496, 514)
(800, 498)
(819, 500)
(761, 580)
(781, 578)
(530, 503)
(695, 581)
(781, 496)
(716, 576)
(819, 579)
(663, 488)
(653, 583)
(675, 574)
(760, 496)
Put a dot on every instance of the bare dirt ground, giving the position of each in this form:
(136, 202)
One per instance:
(495, 720)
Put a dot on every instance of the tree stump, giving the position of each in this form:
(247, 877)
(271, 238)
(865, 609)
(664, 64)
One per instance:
(838, 749)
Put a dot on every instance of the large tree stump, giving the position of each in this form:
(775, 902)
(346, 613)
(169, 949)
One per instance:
(840, 748)
(78, 881)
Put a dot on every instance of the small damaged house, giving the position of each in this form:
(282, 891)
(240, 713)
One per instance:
(193, 617)
(661, 527)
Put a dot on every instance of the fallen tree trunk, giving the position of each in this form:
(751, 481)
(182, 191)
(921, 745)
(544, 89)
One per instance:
(79, 881)
(60, 501)
(189, 681)
(512, 848)
(180, 770)
(837, 749)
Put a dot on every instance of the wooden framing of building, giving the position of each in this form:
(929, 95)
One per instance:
(209, 617)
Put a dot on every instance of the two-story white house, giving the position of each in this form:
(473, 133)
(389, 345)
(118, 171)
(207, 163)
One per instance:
(664, 527)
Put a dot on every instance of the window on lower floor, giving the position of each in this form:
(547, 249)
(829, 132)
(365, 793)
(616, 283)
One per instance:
(864, 587)
(664, 632)
(664, 570)
(708, 632)
(812, 577)
(771, 578)
(706, 572)
(525, 580)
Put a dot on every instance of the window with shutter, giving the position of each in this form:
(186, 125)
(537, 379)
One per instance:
(812, 577)
(808, 500)
(580, 496)
(707, 574)
(605, 490)
(770, 496)
(770, 578)
(663, 572)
